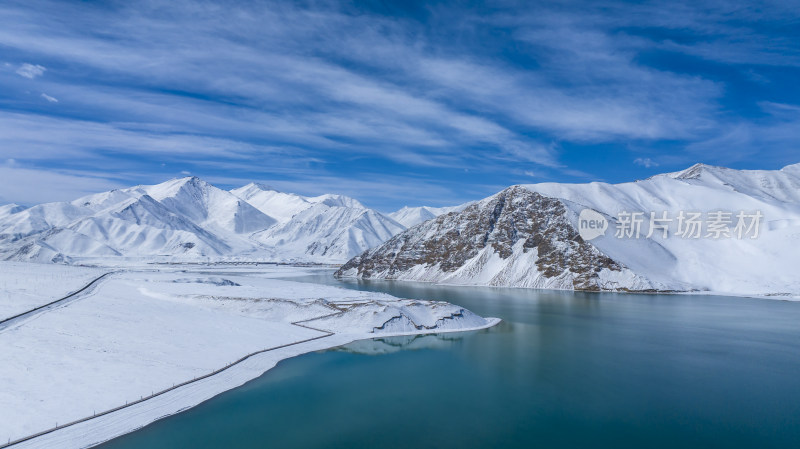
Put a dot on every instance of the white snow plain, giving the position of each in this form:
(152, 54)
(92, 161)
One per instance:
(141, 331)
(24, 286)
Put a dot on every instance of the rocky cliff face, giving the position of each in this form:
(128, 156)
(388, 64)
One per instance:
(515, 238)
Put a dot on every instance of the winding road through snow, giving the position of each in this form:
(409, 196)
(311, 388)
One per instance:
(8, 322)
(156, 342)
(174, 387)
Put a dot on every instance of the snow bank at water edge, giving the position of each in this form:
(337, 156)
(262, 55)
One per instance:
(142, 332)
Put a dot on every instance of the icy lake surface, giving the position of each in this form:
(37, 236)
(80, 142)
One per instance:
(563, 370)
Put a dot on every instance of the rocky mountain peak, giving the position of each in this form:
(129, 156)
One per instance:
(515, 233)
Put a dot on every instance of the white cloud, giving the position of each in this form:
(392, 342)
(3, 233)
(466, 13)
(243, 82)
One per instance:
(33, 137)
(33, 186)
(30, 71)
(49, 98)
(645, 162)
(424, 115)
(230, 86)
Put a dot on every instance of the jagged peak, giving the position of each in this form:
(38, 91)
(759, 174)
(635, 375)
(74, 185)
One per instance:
(416, 209)
(513, 191)
(175, 185)
(258, 186)
(515, 188)
(692, 172)
(336, 200)
(193, 180)
(697, 170)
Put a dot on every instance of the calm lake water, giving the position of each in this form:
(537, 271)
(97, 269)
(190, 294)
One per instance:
(563, 370)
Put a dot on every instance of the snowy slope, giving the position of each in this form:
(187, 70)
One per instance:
(506, 242)
(8, 209)
(41, 218)
(761, 265)
(190, 218)
(412, 216)
(143, 226)
(209, 206)
(186, 217)
(326, 228)
(279, 205)
(333, 200)
(24, 286)
(334, 229)
(283, 206)
(140, 332)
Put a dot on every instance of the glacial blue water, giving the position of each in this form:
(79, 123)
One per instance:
(563, 370)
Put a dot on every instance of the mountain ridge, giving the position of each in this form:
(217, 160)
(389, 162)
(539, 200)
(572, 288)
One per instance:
(762, 265)
(190, 218)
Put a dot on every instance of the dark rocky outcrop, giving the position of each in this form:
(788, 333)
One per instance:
(512, 221)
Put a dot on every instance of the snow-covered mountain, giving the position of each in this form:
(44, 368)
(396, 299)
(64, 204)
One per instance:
(283, 206)
(8, 209)
(180, 217)
(191, 218)
(333, 200)
(528, 236)
(326, 228)
(279, 205)
(209, 206)
(334, 228)
(412, 216)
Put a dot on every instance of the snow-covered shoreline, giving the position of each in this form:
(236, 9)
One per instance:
(104, 428)
(768, 296)
(142, 332)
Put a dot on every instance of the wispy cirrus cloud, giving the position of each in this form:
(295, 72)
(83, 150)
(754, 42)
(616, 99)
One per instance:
(32, 186)
(349, 92)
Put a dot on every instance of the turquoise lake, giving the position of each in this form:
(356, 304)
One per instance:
(563, 370)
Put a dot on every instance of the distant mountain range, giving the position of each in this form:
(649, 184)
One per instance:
(530, 236)
(189, 218)
(524, 236)
(412, 216)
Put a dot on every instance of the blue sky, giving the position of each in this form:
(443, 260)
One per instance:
(394, 103)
